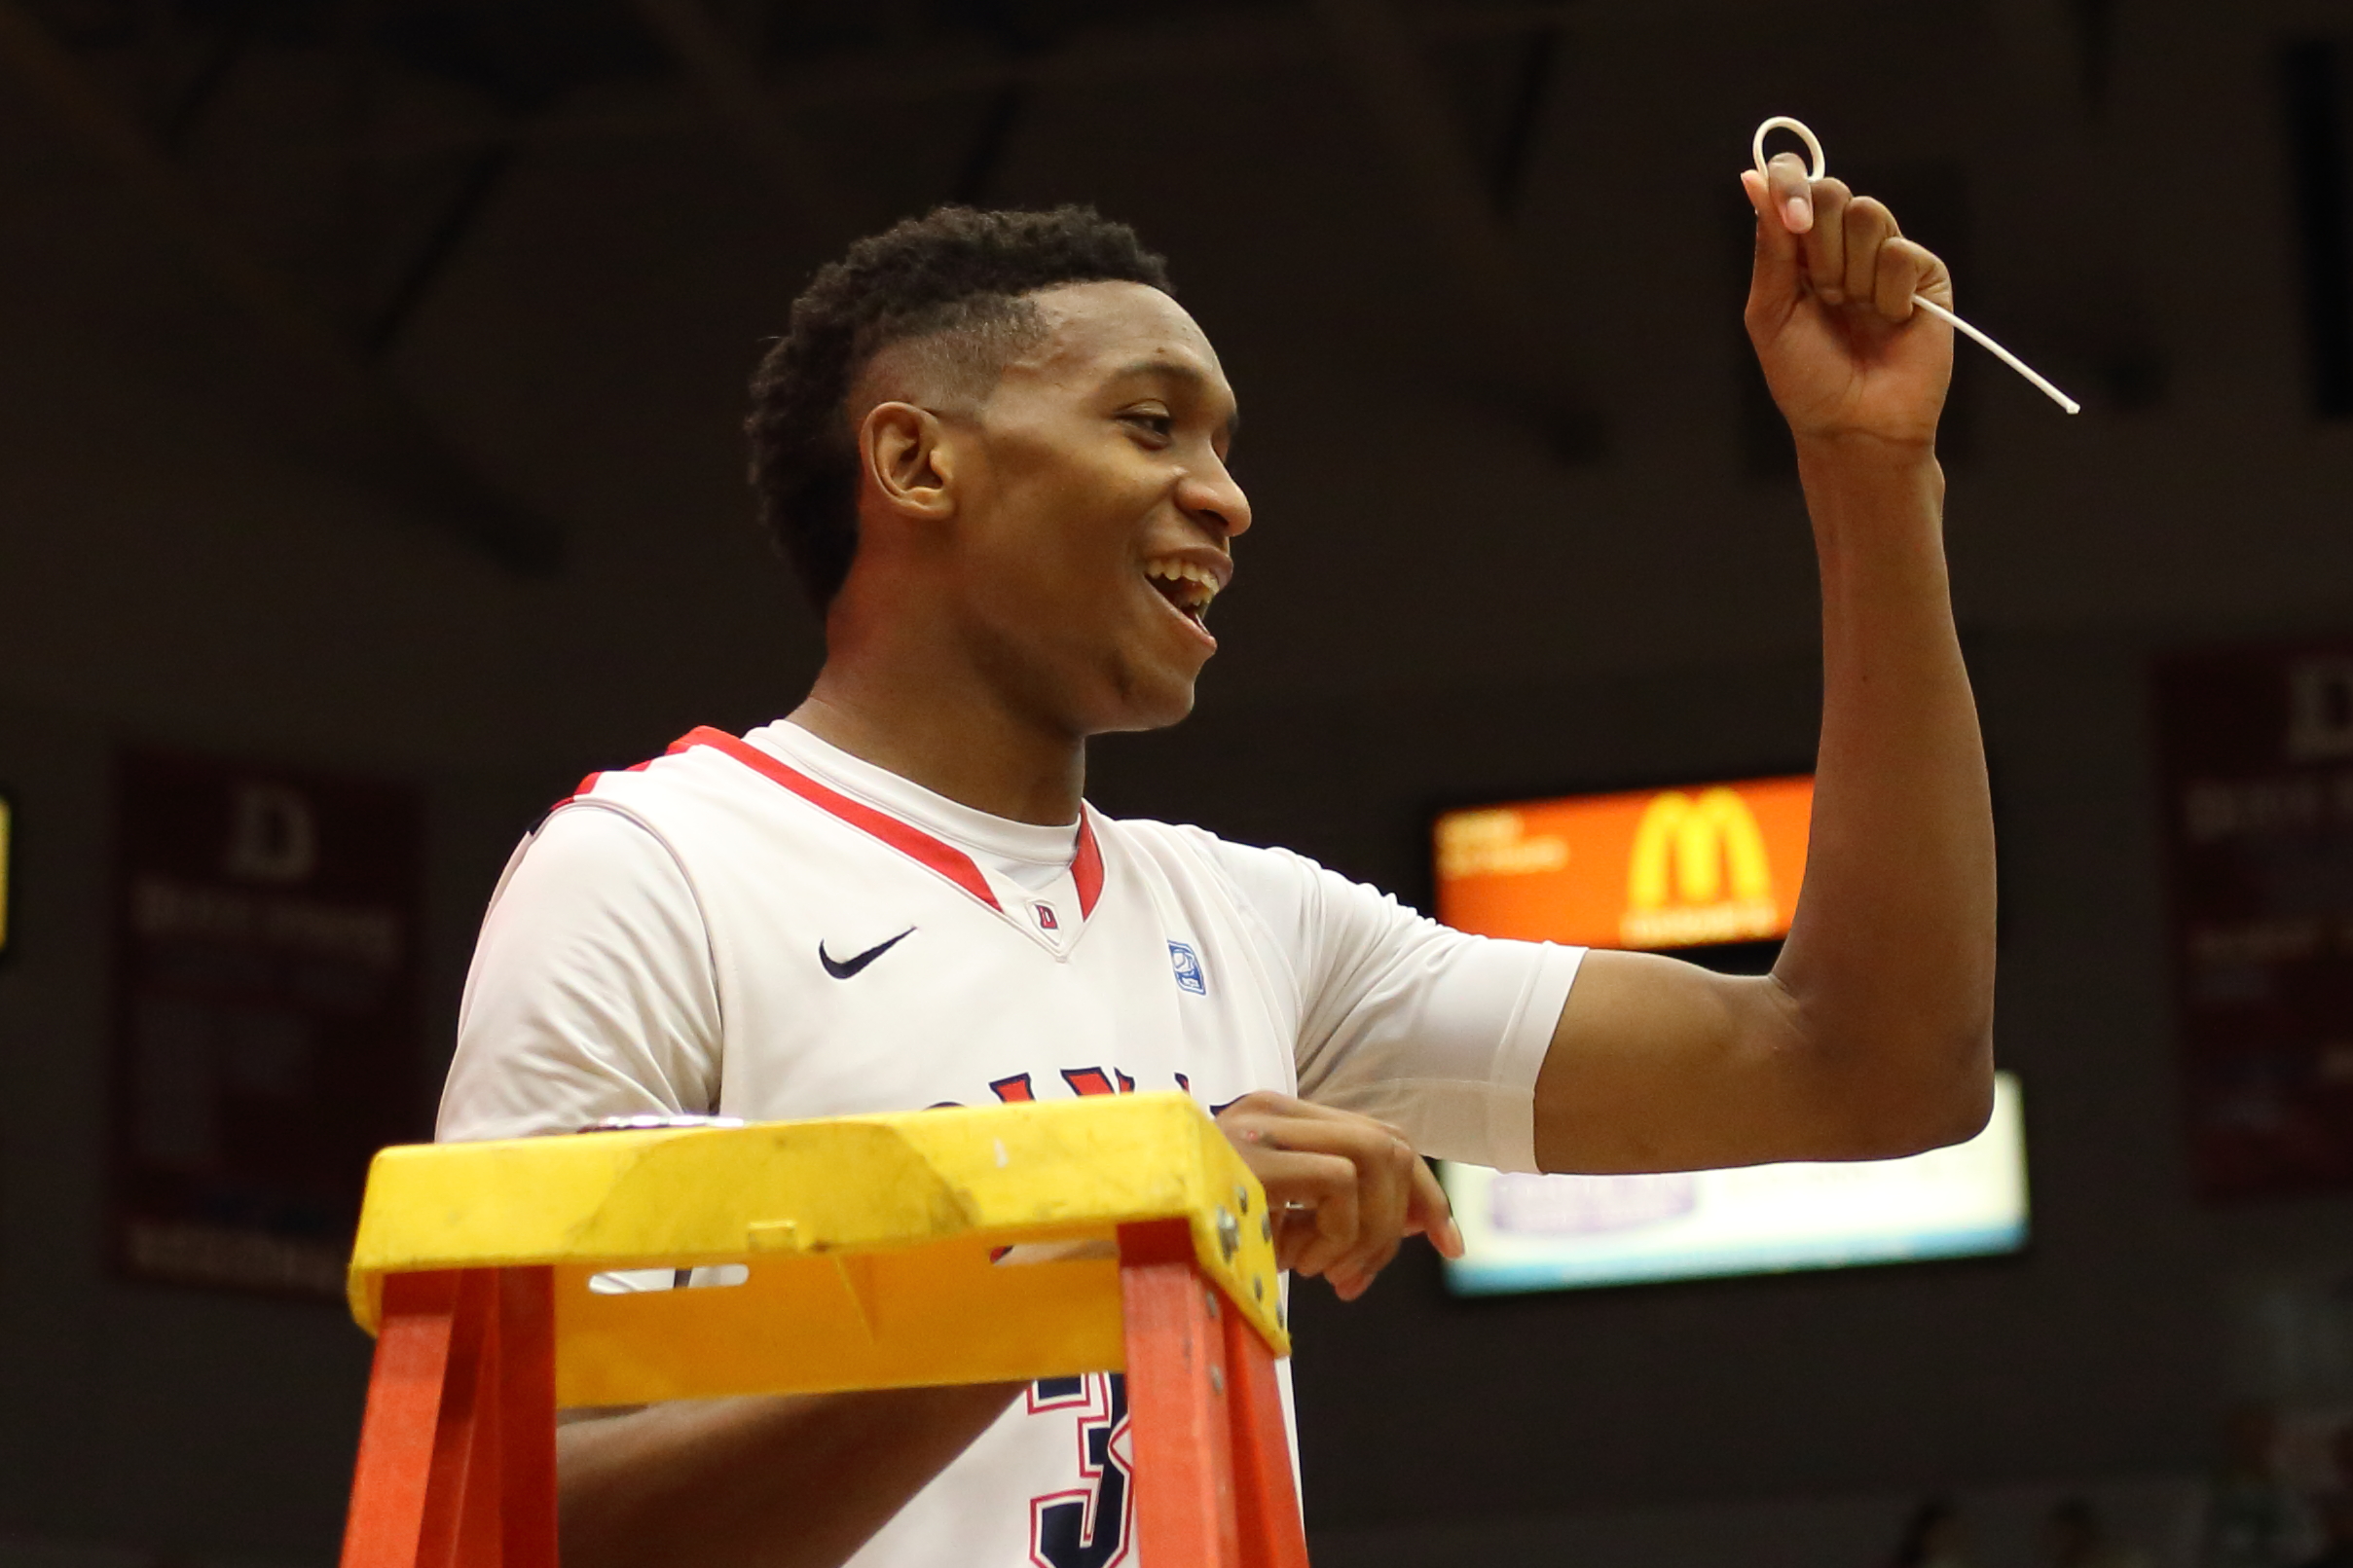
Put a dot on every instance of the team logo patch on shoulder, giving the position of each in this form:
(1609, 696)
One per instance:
(1188, 965)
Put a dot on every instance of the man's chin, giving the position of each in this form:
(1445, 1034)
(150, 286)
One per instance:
(1152, 702)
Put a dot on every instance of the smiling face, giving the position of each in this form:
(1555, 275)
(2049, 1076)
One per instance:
(1093, 512)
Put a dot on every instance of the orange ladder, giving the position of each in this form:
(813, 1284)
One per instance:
(879, 1240)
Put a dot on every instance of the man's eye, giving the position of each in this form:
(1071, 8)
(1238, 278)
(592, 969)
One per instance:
(1163, 425)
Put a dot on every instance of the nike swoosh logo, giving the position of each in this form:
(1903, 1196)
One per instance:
(844, 969)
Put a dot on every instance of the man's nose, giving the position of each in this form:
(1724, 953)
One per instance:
(1211, 495)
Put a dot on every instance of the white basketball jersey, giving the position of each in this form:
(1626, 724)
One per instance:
(768, 927)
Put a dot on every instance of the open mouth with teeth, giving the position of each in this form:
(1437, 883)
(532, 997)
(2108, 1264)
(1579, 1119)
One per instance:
(1187, 587)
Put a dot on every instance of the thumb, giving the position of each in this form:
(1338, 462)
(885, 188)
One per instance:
(1773, 278)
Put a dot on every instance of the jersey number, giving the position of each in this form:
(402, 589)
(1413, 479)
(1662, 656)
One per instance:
(1087, 1528)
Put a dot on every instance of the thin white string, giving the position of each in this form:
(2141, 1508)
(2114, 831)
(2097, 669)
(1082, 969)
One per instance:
(1820, 166)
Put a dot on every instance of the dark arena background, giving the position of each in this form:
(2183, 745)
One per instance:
(371, 376)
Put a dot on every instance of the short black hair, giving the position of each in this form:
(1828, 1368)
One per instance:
(955, 269)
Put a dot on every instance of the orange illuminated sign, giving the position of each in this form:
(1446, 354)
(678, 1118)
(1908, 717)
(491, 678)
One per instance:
(1649, 869)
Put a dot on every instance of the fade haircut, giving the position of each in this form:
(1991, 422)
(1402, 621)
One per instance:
(956, 276)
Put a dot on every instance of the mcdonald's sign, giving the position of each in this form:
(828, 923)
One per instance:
(1652, 868)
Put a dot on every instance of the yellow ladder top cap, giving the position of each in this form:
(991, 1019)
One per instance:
(953, 1184)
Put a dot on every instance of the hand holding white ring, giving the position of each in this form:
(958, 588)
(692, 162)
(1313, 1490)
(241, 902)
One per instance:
(1819, 164)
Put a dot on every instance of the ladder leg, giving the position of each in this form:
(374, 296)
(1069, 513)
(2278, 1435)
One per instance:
(396, 1436)
(1266, 1493)
(1177, 1400)
(460, 1525)
(526, 1417)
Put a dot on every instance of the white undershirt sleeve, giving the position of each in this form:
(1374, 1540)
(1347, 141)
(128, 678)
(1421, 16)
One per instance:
(1405, 1019)
(592, 992)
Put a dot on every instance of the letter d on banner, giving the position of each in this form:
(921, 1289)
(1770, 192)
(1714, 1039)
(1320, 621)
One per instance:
(272, 835)
(2320, 708)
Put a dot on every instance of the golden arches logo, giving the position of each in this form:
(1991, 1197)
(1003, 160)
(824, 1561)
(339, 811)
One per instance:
(1687, 849)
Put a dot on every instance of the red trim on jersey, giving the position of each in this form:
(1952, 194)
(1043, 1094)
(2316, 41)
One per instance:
(590, 783)
(1086, 867)
(913, 842)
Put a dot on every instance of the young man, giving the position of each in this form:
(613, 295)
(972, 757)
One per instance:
(996, 450)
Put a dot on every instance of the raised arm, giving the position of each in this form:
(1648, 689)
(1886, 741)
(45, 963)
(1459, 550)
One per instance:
(1872, 1036)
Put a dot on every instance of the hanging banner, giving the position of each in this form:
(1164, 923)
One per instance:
(266, 1028)
(2256, 760)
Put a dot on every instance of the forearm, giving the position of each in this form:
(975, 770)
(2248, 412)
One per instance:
(1872, 1036)
(799, 1482)
(1890, 962)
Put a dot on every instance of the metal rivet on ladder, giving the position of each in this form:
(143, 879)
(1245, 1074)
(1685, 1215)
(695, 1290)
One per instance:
(1258, 1286)
(1241, 1200)
(1265, 1225)
(1209, 1297)
(1217, 1380)
(1228, 1234)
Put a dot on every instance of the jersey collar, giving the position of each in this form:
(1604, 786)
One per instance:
(940, 855)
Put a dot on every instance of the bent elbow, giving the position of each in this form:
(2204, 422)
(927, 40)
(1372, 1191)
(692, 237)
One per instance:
(1961, 1113)
(1940, 1099)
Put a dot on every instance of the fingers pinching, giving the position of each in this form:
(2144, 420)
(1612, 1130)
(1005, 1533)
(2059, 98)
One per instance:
(1772, 304)
(1926, 270)
(1322, 1212)
(1338, 1224)
(1895, 279)
(1773, 277)
(1789, 194)
(1385, 1202)
(1826, 245)
(1820, 161)
(1432, 1214)
(1869, 226)
(1843, 234)
(1345, 1188)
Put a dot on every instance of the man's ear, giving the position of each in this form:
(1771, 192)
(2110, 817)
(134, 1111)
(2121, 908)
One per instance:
(906, 456)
